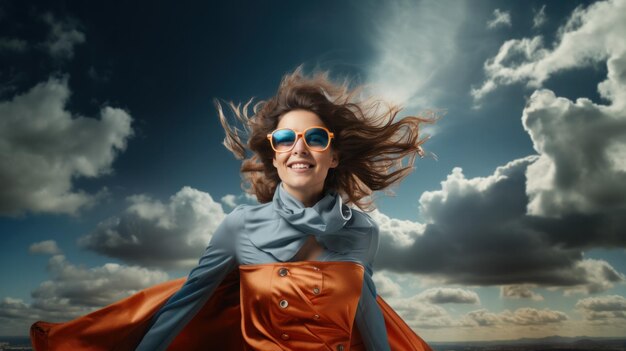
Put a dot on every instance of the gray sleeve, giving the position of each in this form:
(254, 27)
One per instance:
(369, 318)
(218, 260)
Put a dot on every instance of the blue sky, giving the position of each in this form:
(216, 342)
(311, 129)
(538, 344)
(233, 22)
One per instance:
(114, 175)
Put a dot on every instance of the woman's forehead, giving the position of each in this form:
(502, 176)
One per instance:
(300, 120)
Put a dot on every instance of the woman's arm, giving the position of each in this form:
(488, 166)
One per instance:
(218, 260)
(369, 318)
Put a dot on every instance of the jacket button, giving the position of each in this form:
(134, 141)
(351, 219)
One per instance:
(316, 317)
(283, 272)
(316, 290)
(340, 347)
(285, 336)
(283, 303)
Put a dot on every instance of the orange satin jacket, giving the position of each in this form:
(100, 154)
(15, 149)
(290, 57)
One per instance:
(303, 306)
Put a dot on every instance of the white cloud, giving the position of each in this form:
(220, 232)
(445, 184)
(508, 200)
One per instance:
(606, 309)
(397, 232)
(520, 317)
(520, 291)
(449, 295)
(414, 41)
(48, 247)
(157, 234)
(386, 286)
(591, 35)
(63, 37)
(500, 18)
(73, 291)
(598, 276)
(44, 147)
(231, 201)
(540, 18)
(580, 169)
(420, 314)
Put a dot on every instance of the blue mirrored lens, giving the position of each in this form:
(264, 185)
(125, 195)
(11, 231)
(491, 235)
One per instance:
(316, 138)
(283, 138)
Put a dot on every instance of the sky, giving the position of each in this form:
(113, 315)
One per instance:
(114, 176)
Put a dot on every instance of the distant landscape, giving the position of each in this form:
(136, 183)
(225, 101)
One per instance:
(526, 344)
(540, 344)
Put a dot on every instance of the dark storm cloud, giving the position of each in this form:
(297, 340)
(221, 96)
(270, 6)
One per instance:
(478, 232)
(449, 295)
(530, 221)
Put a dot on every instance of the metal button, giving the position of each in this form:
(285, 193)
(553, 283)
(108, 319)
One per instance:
(340, 347)
(316, 317)
(283, 272)
(316, 290)
(283, 303)
(285, 336)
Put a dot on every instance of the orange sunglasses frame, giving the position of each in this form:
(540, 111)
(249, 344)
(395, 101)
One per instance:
(299, 135)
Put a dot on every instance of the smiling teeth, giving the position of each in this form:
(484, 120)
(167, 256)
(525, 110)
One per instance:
(299, 166)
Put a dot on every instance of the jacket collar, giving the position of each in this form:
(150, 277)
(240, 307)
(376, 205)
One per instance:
(282, 231)
(328, 215)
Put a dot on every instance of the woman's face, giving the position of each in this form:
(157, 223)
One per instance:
(305, 185)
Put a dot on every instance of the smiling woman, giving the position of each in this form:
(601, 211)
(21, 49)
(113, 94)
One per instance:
(367, 145)
(295, 272)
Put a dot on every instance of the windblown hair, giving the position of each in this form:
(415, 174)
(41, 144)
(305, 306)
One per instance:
(369, 144)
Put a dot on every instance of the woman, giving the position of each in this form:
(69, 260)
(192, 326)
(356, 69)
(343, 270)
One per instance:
(294, 273)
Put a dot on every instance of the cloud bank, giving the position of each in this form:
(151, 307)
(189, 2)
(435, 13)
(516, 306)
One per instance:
(44, 147)
(155, 234)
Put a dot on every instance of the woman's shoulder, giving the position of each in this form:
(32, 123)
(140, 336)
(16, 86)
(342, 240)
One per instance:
(363, 222)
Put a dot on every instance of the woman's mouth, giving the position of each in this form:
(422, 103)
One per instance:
(300, 167)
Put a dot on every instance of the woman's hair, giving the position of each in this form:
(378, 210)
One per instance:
(369, 144)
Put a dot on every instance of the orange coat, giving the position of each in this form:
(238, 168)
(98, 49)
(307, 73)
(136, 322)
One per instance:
(302, 306)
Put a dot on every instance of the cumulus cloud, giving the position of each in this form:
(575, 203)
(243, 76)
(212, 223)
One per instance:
(63, 37)
(449, 295)
(581, 169)
(540, 18)
(500, 19)
(48, 247)
(231, 201)
(603, 309)
(156, 234)
(520, 317)
(397, 232)
(44, 147)
(414, 42)
(590, 35)
(520, 291)
(420, 314)
(73, 291)
(477, 232)
(386, 286)
(599, 276)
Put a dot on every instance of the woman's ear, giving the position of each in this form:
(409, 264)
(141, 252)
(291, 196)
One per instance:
(335, 159)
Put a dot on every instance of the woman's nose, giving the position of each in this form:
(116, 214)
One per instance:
(300, 146)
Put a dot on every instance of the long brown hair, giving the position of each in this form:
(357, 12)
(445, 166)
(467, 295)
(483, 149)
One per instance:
(369, 144)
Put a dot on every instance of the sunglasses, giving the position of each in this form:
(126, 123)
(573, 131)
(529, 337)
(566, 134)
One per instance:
(315, 138)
